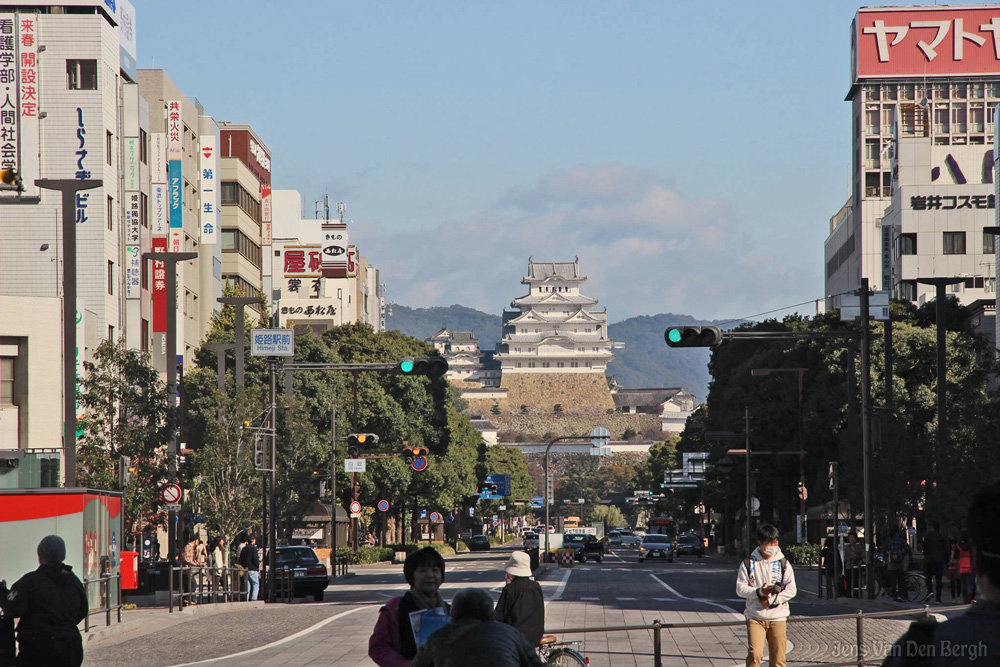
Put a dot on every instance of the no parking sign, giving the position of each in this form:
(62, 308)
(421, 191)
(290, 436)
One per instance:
(383, 506)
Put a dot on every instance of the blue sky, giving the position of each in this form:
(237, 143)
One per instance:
(690, 153)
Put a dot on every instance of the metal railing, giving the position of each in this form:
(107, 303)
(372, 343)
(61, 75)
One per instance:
(339, 565)
(858, 648)
(191, 584)
(106, 586)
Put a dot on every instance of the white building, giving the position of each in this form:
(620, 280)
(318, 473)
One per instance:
(554, 328)
(943, 91)
(942, 198)
(461, 349)
(316, 278)
(672, 406)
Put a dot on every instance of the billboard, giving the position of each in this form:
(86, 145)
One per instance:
(209, 173)
(925, 41)
(175, 179)
(19, 93)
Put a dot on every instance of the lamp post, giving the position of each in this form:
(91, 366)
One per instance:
(759, 372)
(599, 434)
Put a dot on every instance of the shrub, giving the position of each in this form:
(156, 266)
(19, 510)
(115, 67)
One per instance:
(495, 409)
(366, 555)
(557, 408)
(802, 554)
(461, 546)
(524, 409)
(629, 433)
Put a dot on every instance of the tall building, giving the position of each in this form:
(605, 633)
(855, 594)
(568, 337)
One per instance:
(461, 349)
(554, 329)
(930, 75)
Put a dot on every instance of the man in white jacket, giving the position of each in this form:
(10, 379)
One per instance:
(767, 583)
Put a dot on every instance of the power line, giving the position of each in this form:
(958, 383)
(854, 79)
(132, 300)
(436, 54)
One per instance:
(778, 310)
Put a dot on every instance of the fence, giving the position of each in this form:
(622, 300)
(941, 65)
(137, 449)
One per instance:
(190, 584)
(106, 587)
(339, 565)
(859, 649)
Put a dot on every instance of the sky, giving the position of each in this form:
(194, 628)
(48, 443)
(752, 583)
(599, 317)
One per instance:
(690, 154)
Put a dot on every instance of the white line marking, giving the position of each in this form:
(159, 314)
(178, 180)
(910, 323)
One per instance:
(279, 642)
(702, 601)
(624, 599)
(664, 599)
(560, 588)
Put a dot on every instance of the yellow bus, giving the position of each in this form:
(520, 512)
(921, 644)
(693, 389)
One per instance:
(571, 522)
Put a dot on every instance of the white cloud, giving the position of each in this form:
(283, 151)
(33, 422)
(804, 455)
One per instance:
(645, 247)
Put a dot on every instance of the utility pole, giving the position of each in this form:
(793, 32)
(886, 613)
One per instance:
(220, 366)
(866, 399)
(748, 507)
(239, 333)
(333, 483)
(273, 535)
(72, 348)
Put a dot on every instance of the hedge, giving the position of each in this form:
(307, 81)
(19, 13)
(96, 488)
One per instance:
(802, 554)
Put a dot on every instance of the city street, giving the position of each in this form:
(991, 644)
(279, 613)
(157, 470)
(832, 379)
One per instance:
(619, 591)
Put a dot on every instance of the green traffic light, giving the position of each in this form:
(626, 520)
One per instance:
(674, 335)
(406, 366)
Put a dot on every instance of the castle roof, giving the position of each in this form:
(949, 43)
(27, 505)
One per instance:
(646, 397)
(553, 271)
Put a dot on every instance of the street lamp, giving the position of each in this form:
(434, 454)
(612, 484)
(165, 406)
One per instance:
(759, 372)
(598, 437)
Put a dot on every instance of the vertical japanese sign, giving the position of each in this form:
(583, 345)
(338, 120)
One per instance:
(158, 183)
(81, 172)
(81, 331)
(131, 163)
(133, 247)
(352, 261)
(209, 214)
(10, 101)
(28, 136)
(175, 179)
(159, 287)
(265, 213)
(334, 250)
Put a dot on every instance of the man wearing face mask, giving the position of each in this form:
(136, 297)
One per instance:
(767, 583)
(974, 637)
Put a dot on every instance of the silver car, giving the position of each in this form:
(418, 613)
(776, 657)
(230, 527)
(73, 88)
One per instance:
(530, 540)
(629, 539)
(656, 546)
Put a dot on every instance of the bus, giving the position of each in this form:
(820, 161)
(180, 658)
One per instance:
(571, 522)
(662, 525)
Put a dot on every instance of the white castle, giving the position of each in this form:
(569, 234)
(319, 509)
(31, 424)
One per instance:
(554, 329)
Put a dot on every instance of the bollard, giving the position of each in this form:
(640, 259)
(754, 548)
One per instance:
(170, 588)
(861, 637)
(657, 658)
(107, 602)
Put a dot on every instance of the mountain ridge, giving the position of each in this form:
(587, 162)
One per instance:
(644, 362)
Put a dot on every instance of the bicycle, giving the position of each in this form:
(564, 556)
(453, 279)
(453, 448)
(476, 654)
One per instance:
(559, 654)
(914, 583)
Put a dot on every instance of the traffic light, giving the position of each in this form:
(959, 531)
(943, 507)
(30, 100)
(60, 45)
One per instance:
(802, 493)
(432, 367)
(410, 453)
(832, 474)
(258, 451)
(693, 336)
(356, 441)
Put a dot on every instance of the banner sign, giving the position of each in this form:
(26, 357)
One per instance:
(28, 133)
(159, 222)
(131, 163)
(133, 272)
(209, 214)
(175, 197)
(159, 287)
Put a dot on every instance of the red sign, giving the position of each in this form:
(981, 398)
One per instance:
(159, 288)
(932, 41)
(171, 493)
(355, 507)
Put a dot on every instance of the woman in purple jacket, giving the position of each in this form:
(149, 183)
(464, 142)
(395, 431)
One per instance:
(392, 643)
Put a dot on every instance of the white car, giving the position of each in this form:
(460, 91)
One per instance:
(530, 540)
(629, 539)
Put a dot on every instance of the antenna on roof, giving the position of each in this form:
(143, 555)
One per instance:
(316, 202)
(341, 209)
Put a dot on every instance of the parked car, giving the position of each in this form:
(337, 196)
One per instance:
(690, 545)
(656, 546)
(530, 540)
(309, 576)
(586, 546)
(629, 539)
(479, 543)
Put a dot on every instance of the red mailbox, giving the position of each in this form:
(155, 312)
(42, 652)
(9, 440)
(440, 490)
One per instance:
(130, 570)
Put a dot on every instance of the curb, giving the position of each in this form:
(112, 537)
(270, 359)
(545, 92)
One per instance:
(148, 624)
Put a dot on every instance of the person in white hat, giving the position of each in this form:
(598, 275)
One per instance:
(521, 604)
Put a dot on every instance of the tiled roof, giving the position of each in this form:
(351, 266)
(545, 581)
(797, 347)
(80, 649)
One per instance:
(483, 425)
(563, 270)
(645, 397)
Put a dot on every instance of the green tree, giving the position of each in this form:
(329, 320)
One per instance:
(610, 515)
(126, 414)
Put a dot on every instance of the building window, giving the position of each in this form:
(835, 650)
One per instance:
(545, 364)
(235, 194)
(233, 240)
(111, 333)
(6, 380)
(531, 364)
(111, 277)
(108, 141)
(954, 243)
(907, 244)
(143, 149)
(81, 74)
(111, 213)
(519, 364)
(989, 243)
(907, 290)
(144, 343)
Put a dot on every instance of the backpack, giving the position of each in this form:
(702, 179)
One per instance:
(895, 552)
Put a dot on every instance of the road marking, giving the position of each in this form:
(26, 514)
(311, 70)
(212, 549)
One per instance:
(592, 599)
(560, 588)
(624, 599)
(279, 642)
(701, 600)
(664, 599)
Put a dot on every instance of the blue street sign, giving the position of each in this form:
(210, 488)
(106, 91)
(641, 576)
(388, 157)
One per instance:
(502, 482)
(423, 514)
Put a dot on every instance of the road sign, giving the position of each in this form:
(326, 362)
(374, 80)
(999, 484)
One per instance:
(878, 306)
(383, 506)
(272, 343)
(171, 494)
(842, 529)
(600, 437)
(435, 516)
(423, 514)
(172, 507)
(354, 465)
(502, 482)
(419, 463)
(355, 507)
(580, 500)
(503, 507)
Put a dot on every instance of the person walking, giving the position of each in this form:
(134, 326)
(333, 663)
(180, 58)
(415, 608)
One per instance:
(189, 560)
(250, 561)
(897, 560)
(935, 548)
(49, 602)
(392, 643)
(962, 555)
(521, 604)
(974, 637)
(767, 583)
(829, 563)
(852, 565)
(220, 561)
(474, 638)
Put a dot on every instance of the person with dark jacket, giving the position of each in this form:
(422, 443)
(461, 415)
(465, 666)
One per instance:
(474, 638)
(521, 604)
(250, 561)
(8, 648)
(974, 637)
(897, 559)
(392, 643)
(935, 554)
(49, 602)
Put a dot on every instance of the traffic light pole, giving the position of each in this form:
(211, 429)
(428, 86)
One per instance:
(272, 501)
(547, 450)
